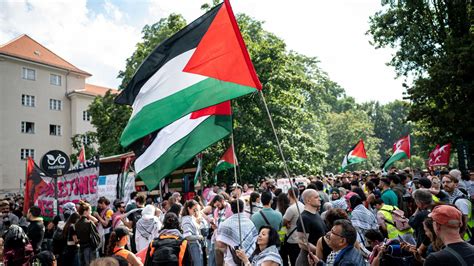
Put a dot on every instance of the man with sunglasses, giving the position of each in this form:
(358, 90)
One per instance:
(341, 239)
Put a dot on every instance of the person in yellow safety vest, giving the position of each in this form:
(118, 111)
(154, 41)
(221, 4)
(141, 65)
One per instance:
(388, 223)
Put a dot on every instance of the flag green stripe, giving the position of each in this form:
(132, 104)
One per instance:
(207, 133)
(353, 160)
(165, 111)
(395, 157)
(223, 166)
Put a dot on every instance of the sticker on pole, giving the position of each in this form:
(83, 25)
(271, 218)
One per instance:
(55, 163)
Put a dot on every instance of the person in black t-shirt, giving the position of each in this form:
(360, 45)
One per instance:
(36, 228)
(447, 220)
(313, 225)
(424, 202)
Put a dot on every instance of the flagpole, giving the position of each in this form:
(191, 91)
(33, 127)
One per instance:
(200, 175)
(235, 179)
(286, 171)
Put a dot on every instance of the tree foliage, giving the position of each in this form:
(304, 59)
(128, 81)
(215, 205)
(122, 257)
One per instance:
(435, 48)
(109, 119)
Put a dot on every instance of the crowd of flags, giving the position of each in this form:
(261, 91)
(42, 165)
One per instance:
(401, 150)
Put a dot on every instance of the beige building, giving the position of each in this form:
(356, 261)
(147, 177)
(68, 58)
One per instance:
(43, 104)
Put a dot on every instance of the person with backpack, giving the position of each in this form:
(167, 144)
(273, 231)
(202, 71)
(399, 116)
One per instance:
(116, 248)
(86, 231)
(134, 217)
(393, 223)
(267, 216)
(169, 248)
(447, 220)
(461, 201)
(17, 250)
(59, 221)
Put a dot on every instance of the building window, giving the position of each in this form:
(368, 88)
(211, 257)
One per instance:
(86, 116)
(55, 79)
(55, 105)
(27, 127)
(55, 130)
(25, 153)
(85, 140)
(28, 73)
(28, 100)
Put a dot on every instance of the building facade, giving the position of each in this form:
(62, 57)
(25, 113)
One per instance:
(43, 104)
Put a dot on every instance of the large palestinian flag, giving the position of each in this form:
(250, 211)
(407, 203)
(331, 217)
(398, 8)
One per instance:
(401, 150)
(227, 161)
(179, 142)
(204, 64)
(355, 155)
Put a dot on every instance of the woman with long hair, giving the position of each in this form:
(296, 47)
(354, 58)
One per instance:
(254, 203)
(192, 231)
(266, 251)
(283, 202)
(117, 242)
(71, 252)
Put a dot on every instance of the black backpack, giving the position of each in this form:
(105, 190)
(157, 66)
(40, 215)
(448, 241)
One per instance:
(164, 251)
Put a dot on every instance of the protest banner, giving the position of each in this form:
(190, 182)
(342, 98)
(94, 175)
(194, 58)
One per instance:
(79, 184)
(284, 183)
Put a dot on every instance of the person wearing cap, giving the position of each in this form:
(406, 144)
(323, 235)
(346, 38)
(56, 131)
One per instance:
(117, 242)
(447, 220)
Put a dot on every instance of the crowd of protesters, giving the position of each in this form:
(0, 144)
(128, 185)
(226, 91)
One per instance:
(355, 218)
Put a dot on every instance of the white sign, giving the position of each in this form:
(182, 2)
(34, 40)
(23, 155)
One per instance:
(284, 183)
(107, 187)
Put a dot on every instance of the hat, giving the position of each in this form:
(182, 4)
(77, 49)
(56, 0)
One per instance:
(121, 231)
(148, 212)
(447, 215)
(456, 174)
(349, 195)
(176, 194)
(424, 182)
(69, 208)
(235, 185)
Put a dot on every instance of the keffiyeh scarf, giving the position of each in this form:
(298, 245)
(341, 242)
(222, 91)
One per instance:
(269, 254)
(228, 233)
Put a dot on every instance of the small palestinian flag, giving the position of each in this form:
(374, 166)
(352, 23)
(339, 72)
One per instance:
(401, 150)
(355, 155)
(176, 144)
(204, 64)
(228, 160)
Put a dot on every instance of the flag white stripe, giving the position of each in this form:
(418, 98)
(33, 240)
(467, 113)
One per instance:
(168, 80)
(166, 138)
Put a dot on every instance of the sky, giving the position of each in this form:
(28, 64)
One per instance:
(99, 35)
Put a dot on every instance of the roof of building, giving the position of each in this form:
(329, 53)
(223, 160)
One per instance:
(95, 90)
(24, 47)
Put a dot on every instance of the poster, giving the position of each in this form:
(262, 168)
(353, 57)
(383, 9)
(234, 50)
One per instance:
(80, 184)
(284, 183)
(107, 187)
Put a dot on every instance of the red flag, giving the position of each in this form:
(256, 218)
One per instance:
(402, 145)
(34, 183)
(440, 155)
(82, 155)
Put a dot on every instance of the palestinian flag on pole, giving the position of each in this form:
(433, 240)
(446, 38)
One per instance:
(355, 155)
(401, 150)
(179, 142)
(203, 64)
(228, 160)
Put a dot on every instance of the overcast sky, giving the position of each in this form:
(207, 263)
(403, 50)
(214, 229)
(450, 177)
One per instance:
(97, 36)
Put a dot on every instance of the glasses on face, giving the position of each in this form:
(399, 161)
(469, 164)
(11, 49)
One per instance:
(332, 233)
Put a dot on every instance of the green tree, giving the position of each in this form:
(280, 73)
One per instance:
(109, 119)
(435, 48)
(344, 131)
(89, 140)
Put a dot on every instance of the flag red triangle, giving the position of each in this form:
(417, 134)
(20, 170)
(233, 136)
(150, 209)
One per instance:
(403, 144)
(221, 53)
(218, 109)
(229, 157)
(359, 150)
